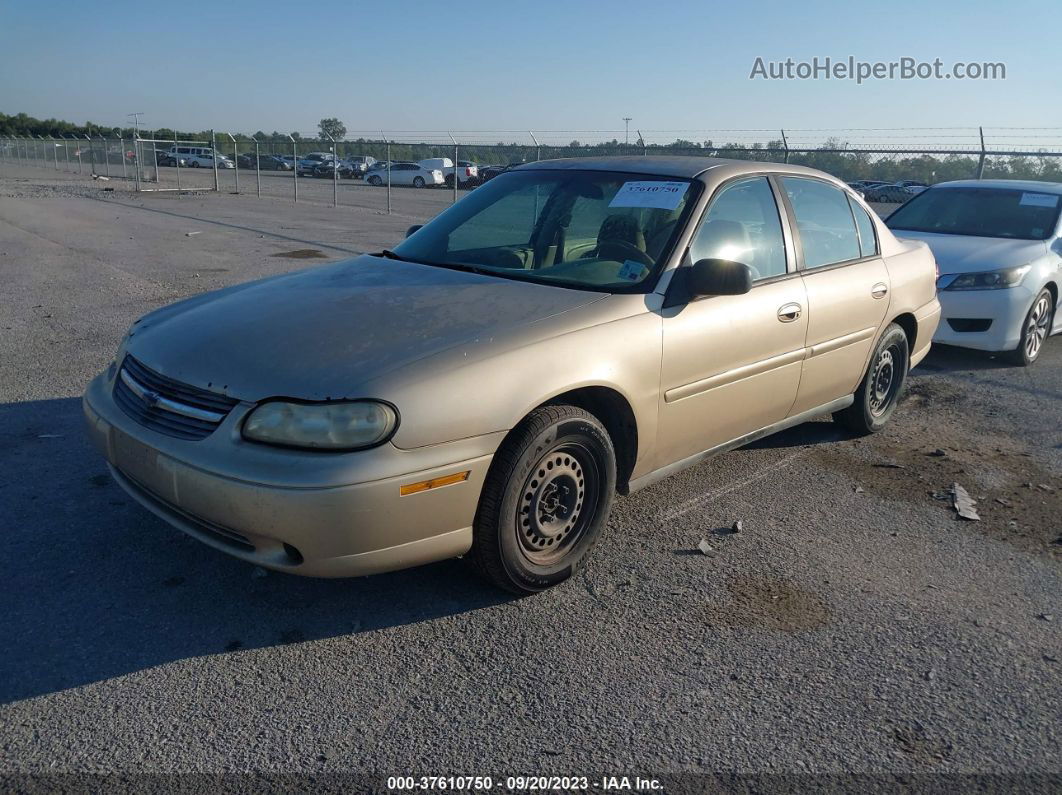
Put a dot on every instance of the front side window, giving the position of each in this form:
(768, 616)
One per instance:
(980, 212)
(824, 221)
(742, 225)
(595, 230)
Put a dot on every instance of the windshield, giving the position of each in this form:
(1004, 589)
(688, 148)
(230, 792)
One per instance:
(980, 212)
(594, 230)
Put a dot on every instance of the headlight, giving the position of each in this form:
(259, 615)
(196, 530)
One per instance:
(988, 280)
(335, 425)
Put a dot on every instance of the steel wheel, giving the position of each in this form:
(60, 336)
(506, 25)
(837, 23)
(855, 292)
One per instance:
(883, 382)
(557, 504)
(879, 392)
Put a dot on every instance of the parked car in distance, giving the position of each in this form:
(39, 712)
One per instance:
(412, 174)
(467, 174)
(998, 244)
(913, 185)
(888, 194)
(328, 168)
(858, 188)
(265, 162)
(361, 164)
(512, 365)
(487, 173)
(196, 157)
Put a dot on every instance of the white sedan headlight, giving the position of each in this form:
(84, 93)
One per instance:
(336, 425)
(987, 280)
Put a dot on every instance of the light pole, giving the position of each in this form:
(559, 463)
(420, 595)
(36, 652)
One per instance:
(627, 130)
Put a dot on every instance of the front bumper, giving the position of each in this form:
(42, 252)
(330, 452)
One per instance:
(1005, 309)
(293, 510)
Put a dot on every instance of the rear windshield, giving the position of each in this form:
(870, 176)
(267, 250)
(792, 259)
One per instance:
(980, 212)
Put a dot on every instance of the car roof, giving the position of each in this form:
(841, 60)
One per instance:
(681, 167)
(1005, 184)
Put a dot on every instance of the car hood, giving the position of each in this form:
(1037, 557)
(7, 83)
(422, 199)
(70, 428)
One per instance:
(321, 333)
(961, 254)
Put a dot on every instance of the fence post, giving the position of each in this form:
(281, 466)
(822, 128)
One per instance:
(388, 177)
(214, 151)
(981, 162)
(106, 156)
(92, 155)
(785, 145)
(121, 153)
(257, 168)
(55, 152)
(455, 167)
(538, 147)
(136, 159)
(177, 161)
(295, 166)
(79, 170)
(335, 170)
(235, 161)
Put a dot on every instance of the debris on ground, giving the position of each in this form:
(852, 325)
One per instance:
(1045, 487)
(938, 453)
(1003, 502)
(889, 465)
(1050, 658)
(858, 489)
(1045, 617)
(738, 526)
(964, 503)
(191, 234)
(705, 547)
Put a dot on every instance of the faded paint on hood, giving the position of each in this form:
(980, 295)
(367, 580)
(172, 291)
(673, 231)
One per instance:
(962, 254)
(321, 333)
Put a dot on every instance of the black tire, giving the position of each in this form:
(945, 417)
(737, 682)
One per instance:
(418, 182)
(375, 181)
(194, 164)
(882, 385)
(1035, 330)
(545, 501)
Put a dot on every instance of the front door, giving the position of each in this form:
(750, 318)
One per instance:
(731, 363)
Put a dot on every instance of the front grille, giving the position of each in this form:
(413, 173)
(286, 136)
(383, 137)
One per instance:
(218, 532)
(168, 406)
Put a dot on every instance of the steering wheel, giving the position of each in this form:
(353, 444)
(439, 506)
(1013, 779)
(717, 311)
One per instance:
(623, 251)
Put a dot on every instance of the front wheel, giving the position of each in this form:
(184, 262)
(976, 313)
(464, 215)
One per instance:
(880, 390)
(545, 501)
(1034, 330)
(418, 182)
(194, 164)
(375, 181)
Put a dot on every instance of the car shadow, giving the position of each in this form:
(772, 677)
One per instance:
(949, 359)
(96, 587)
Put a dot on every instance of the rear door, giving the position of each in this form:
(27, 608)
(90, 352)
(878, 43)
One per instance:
(731, 363)
(847, 287)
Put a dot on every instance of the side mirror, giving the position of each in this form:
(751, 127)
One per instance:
(719, 277)
(413, 229)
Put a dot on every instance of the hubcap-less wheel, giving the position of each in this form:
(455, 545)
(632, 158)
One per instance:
(557, 504)
(882, 383)
(418, 182)
(1038, 326)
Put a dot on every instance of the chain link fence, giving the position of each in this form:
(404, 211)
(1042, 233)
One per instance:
(288, 166)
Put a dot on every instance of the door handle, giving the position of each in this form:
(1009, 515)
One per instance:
(787, 313)
(879, 290)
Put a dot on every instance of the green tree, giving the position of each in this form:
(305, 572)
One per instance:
(332, 128)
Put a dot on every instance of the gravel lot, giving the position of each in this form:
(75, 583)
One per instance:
(854, 624)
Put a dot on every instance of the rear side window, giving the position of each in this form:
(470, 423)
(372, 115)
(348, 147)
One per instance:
(868, 243)
(824, 221)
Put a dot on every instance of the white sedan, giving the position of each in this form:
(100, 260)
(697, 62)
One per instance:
(412, 174)
(998, 245)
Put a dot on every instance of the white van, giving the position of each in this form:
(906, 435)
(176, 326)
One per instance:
(196, 157)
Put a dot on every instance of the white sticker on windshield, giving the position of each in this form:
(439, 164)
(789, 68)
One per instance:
(631, 270)
(657, 195)
(1039, 199)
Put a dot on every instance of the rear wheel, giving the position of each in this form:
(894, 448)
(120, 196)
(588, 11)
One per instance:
(878, 394)
(375, 181)
(1035, 330)
(546, 500)
(194, 164)
(418, 182)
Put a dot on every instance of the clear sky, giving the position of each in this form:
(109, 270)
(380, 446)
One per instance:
(678, 65)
